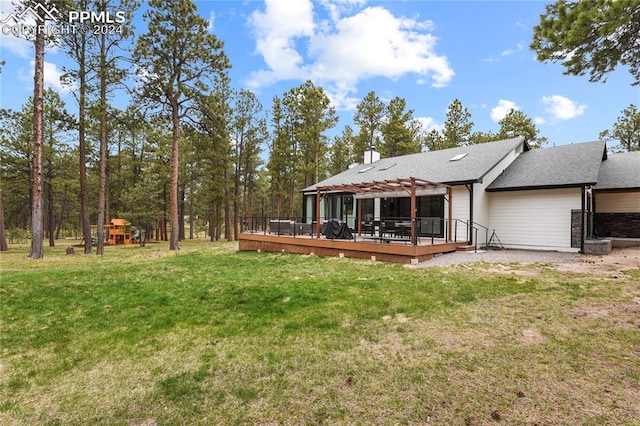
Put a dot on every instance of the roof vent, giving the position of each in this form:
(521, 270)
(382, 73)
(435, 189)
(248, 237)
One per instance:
(458, 157)
(387, 167)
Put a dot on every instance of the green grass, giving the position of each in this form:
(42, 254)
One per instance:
(210, 335)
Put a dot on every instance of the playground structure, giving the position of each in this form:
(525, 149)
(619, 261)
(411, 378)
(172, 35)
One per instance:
(117, 232)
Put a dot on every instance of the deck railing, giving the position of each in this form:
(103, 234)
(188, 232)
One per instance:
(383, 229)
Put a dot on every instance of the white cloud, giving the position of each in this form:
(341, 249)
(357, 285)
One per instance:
(539, 120)
(562, 108)
(16, 45)
(343, 50)
(51, 76)
(508, 52)
(429, 124)
(502, 109)
(19, 46)
(276, 30)
(212, 20)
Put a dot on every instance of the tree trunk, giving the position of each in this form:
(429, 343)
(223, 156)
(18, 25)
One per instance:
(191, 217)
(85, 220)
(227, 208)
(215, 222)
(175, 167)
(51, 217)
(37, 233)
(102, 180)
(181, 236)
(59, 222)
(236, 195)
(3, 237)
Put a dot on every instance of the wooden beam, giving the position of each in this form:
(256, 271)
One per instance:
(413, 210)
(318, 227)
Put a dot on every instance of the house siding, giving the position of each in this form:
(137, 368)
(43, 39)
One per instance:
(481, 200)
(459, 210)
(535, 219)
(618, 202)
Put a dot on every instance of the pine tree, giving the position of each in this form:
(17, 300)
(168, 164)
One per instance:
(178, 59)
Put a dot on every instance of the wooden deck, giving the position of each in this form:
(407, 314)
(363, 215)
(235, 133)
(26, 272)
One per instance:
(361, 248)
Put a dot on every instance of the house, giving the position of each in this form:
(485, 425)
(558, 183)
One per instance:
(616, 199)
(500, 191)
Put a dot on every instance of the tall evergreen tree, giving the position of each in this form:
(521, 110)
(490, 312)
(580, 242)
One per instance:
(248, 132)
(590, 36)
(457, 126)
(37, 225)
(214, 146)
(342, 151)
(16, 150)
(281, 164)
(368, 117)
(110, 73)
(516, 123)
(400, 131)
(178, 59)
(78, 47)
(56, 123)
(626, 130)
(312, 115)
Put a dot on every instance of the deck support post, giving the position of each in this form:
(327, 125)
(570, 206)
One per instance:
(318, 225)
(413, 211)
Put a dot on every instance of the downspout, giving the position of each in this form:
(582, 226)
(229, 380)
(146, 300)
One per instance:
(593, 212)
(582, 211)
(470, 188)
(450, 195)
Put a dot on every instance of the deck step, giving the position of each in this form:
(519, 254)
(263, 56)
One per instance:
(466, 248)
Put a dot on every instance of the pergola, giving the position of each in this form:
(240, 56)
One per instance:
(393, 188)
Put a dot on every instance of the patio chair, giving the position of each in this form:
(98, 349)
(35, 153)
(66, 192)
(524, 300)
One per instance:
(389, 228)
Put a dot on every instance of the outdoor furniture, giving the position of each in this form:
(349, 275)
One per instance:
(281, 227)
(403, 229)
(303, 229)
(388, 228)
(334, 230)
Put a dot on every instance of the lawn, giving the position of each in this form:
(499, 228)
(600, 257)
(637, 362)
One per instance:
(210, 335)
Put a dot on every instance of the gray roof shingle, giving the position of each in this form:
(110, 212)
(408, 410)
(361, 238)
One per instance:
(434, 166)
(561, 166)
(620, 171)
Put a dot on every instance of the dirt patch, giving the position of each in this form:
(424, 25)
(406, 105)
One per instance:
(532, 336)
(611, 265)
(625, 312)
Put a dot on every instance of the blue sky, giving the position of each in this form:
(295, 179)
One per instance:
(428, 52)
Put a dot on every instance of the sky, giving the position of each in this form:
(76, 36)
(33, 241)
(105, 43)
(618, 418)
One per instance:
(427, 52)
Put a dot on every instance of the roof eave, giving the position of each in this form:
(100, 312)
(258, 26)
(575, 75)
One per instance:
(534, 187)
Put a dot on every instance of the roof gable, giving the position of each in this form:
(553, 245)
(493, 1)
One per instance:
(620, 171)
(562, 166)
(472, 163)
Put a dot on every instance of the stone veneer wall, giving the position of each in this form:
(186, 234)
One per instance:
(620, 225)
(575, 228)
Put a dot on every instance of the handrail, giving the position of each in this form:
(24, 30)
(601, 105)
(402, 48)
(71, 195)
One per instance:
(424, 226)
(474, 225)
